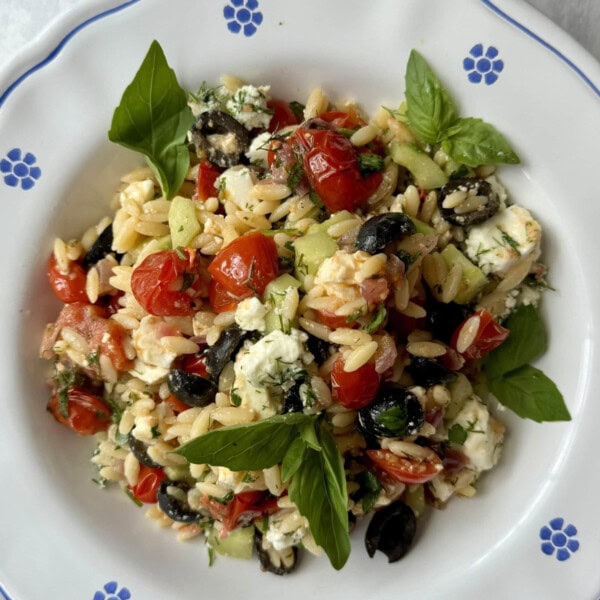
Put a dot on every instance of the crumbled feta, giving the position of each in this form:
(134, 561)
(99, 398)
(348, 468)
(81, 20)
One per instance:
(205, 99)
(238, 481)
(248, 105)
(342, 267)
(138, 192)
(499, 190)
(282, 540)
(236, 184)
(484, 434)
(257, 153)
(499, 243)
(250, 314)
(148, 373)
(153, 359)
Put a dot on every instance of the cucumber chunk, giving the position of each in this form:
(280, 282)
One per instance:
(275, 294)
(310, 251)
(183, 222)
(473, 278)
(238, 544)
(424, 169)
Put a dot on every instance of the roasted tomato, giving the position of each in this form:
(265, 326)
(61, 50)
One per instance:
(207, 175)
(86, 413)
(341, 119)
(245, 266)
(333, 321)
(488, 335)
(146, 488)
(413, 469)
(70, 286)
(220, 299)
(357, 388)
(283, 115)
(166, 282)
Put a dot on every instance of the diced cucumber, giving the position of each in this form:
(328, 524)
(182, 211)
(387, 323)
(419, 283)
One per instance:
(415, 498)
(473, 279)
(183, 222)
(424, 169)
(422, 227)
(238, 544)
(275, 293)
(310, 251)
(337, 217)
(178, 473)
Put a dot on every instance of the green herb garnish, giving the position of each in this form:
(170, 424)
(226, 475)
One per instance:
(368, 163)
(457, 434)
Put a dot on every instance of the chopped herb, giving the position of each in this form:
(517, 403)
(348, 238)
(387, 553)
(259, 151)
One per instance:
(357, 314)
(295, 175)
(298, 109)
(510, 241)
(368, 163)
(369, 490)
(377, 320)
(538, 283)
(345, 131)
(93, 358)
(316, 199)
(211, 555)
(132, 497)
(225, 499)
(236, 399)
(457, 434)
(301, 266)
(155, 432)
(406, 257)
(462, 171)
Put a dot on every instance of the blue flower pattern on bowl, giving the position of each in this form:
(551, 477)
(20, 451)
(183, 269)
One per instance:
(19, 169)
(242, 15)
(560, 538)
(111, 591)
(483, 65)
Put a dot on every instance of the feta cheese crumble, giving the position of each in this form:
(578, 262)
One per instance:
(250, 314)
(248, 105)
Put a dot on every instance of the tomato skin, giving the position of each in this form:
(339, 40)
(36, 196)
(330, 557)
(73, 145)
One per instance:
(158, 282)
(192, 363)
(219, 298)
(283, 115)
(146, 488)
(207, 175)
(69, 287)
(87, 413)
(333, 321)
(101, 333)
(345, 120)
(176, 404)
(488, 337)
(404, 469)
(356, 389)
(246, 265)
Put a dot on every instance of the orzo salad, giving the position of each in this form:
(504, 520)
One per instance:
(296, 315)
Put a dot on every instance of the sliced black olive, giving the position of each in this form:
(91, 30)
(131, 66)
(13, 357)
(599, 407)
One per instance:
(100, 248)
(318, 348)
(288, 555)
(428, 372)
(391, 530)
(443, 319)
(222, 351)
(174, 507)
(224, 139)
(140, 451)
(378, 231)
(292, 401)
(395, 412)
(191, 389)
(470, 211)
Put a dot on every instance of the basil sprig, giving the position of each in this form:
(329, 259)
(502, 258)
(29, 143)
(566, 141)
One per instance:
(153, 118)
(524, 389)
(433, 116)
(310, 461)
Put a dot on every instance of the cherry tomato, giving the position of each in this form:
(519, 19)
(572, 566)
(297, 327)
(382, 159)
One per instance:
(176, 404)
(246, 265)
(166, 282)
(70, 286)
(489, 335)
(283, 115)
(407, 470)
(207, 175)
(246, 506)
(331, 166)
(192, 363)
(357, 388)
(101, 333)
(87, 413)
(146, 488)
(340, 119)
(220, 299)
(333, 321)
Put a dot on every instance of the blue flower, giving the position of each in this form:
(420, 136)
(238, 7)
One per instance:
(19, 169)
(241, 15)
(560, 538)
(109, 592)
(482, 66)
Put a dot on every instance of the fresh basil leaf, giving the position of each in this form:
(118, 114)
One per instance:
(309, 435)
(474, 142)
(248, 447)
(293, 459)
(457, 434)
(430, 109)
(153, 118)
(369, 490)
(318, 489)
(526, 341)
(395, 419)
(532, 395)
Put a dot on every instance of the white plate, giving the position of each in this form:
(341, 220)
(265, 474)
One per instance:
(59, 535)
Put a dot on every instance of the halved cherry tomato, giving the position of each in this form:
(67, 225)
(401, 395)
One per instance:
(246, 265)
(345, 120)
(192, 363)
(407, 470)
(333, 321)
(283, 115)
(70, 286)
(489, 335)
(101, 333)
(176, 404)
(207, 175)
(166, 282)
(87, 413)
(220, 299)
(146, 488)
(357, 388)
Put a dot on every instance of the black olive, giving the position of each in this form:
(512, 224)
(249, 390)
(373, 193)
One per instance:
(292, 401)
(428, 372)
(212, 134)
(318, 348)
(140, 451)
(265, 559)
(100, 248)
(443, 319)
(395, 412)
(378, 231)
(391, 530)
(173, 506)
(221, 352)
(191, 389)
(475, 188)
